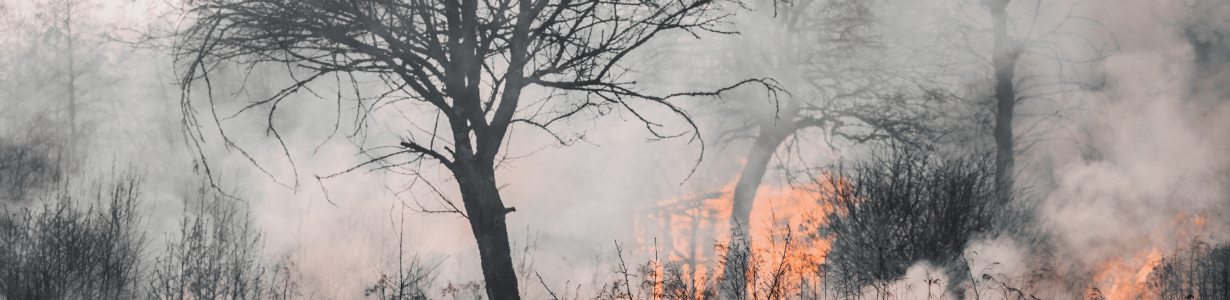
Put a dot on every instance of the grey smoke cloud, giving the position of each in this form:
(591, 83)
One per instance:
(1159, 128)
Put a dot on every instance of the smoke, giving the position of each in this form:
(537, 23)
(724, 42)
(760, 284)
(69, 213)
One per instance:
(1150, 175)
(1152, 160)
(1139, 171)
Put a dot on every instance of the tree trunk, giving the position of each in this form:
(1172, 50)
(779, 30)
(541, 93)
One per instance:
(72, 85)
(486, 212)
(735, 270)
(1004, 59)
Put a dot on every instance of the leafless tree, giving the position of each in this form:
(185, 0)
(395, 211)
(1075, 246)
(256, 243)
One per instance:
(466, 62)
(411, 282)
(55, 66)
(1031, 64)
(1210, 41)
(846, 86)
(412, 277)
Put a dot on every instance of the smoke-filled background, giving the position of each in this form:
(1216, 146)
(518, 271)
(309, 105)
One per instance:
(1122, 154)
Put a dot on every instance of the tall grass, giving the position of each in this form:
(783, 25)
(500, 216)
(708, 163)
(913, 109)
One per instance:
(1199, 271)
(90, 244)
(897, 210)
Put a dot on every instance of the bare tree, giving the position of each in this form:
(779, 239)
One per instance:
(467, 62)
(410, 282)
(1031, 63)
(1210, 41)
(70, 55)
(55, 66)
(412, 277)
(845, 87)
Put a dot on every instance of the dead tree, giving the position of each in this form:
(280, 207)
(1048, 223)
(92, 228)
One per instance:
(1031, 58)
(844, 85)
(1004, 57)
(48, 75)
(1032, 66)
(466, 62)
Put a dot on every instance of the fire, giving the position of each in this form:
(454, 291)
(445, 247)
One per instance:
(779, 213)
(1150, 262)
(1127, 278)
(690, 226)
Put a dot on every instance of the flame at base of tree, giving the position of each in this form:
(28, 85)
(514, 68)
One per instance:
(792, 257)
(694, 235)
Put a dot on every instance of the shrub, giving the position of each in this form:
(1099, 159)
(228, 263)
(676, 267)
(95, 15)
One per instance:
(410, 283)
(28, 164)
(73, 249)
(902, 208)
(217, 255)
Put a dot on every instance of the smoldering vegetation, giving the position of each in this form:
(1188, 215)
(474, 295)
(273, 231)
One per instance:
(831, 149)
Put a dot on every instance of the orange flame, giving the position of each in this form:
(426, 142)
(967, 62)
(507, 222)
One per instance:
(691, 225)
(1127, 278)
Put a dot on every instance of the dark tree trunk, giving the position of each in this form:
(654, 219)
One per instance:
(486, 213)
(767, 141)
(474, 159)
(448, 54)
(1004, 59)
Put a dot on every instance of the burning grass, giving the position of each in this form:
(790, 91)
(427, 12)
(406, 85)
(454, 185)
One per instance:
(690, 226)
(928, 263)
(905, 226)
(851, 231)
